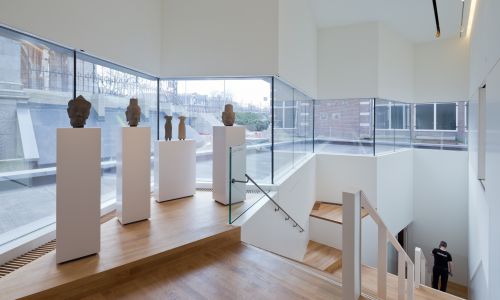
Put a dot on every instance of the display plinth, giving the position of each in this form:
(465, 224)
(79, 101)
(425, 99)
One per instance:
(133, 175)
(78, 193)
(175, 169)
(225, 137)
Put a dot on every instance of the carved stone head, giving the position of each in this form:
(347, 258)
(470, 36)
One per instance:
(78, 111)
(133, 113)
(228, 116)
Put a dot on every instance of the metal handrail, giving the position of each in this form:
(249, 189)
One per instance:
(278, 207)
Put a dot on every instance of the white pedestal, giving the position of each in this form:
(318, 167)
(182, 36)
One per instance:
(225, 137)
(175, 169)
(78, 193)
(133, 175)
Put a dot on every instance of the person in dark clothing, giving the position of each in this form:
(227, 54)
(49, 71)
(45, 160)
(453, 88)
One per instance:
(442, 266)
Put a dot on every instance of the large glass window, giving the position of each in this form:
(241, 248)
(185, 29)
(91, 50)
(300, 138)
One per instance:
(424, 116)
(109, 88)
(446, 116)
(343, 126)
(202, 102)
(35, 87)
(441, 125)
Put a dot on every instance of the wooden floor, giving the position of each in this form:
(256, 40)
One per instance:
(323, 257)
(236, 271)
(172, 225)
(331, 212)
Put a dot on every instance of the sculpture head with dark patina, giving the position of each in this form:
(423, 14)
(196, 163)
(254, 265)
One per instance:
(78, 111)
(133, 112)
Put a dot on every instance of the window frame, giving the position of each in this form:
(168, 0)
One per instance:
(405, 117)
(434, 123)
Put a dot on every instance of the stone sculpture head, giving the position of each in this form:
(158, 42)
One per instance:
(133, 112)
(78, 111)
(168, 128)
(228, 116)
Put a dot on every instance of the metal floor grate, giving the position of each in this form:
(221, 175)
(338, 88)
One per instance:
(25, 259)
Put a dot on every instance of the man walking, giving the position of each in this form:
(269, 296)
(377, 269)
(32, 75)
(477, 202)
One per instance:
(442, 266)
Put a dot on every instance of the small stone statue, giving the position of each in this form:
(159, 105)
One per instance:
(182, 128)
(228, 115)
(133, 113)
(78, 111)
(168, 128)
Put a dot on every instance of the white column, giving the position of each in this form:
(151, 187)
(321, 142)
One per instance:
(401, 276)
(78, 193)
(382, 263)
(418, 253)
(351, 246)
(133, 175)
(411, 281)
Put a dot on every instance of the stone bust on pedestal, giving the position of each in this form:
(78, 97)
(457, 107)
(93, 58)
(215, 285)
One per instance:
(78, 111)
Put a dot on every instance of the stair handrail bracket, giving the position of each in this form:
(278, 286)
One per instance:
(406, 268)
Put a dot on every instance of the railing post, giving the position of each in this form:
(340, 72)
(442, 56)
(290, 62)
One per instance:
(411, 281)
(351, 246)
(423, 272)
(401, 276)
(382, 263)
(418, 262)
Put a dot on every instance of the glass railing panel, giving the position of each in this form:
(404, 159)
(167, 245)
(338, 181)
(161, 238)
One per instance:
(36, 83)
(303, 126)
(385, 133)
(401, 121)
(202, 101)
(284, 128)
(343, 126)
(109, 88)
(242, 197)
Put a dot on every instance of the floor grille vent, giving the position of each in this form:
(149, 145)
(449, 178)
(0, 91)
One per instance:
(25, 259)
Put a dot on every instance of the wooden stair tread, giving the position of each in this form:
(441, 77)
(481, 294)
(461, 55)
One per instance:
(369, 286)
(331, 212)
(323, 257)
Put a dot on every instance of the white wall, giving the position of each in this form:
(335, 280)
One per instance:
(440, 206)
(124, 31)
(267, 229)
(395, 65)
(297, 45)
(348, 61)
(442, 70)
(484, 225)
(364, 60)
(219, 38)
(297, 190)
(395, 189)
(336, 174)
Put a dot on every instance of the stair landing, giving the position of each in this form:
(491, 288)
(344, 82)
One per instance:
(331, 212)
(323, 257)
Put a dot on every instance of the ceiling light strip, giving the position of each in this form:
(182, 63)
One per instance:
(462, 19)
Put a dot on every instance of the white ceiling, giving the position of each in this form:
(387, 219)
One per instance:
(414, 19)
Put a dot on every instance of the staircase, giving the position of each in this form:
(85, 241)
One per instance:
(323, 257)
